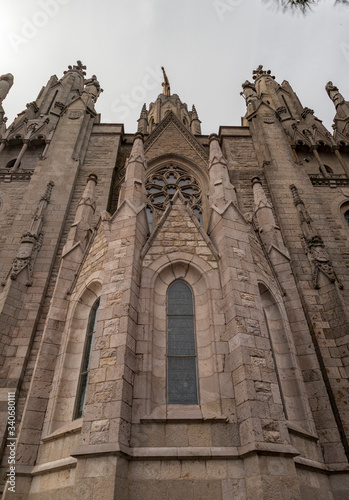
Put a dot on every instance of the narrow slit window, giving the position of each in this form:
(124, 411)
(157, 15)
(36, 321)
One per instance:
(86, 361)
(346, 217)
(181, 350)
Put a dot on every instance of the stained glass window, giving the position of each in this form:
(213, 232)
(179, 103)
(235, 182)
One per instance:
(86, 360)
(181, 350)
(162, 185)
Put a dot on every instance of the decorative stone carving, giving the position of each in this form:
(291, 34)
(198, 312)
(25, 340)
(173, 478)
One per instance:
(6, 82)
(313, 245)
(79, 67)
(31, 241)
(92, 88)
(334, 94)
(74, 114)
(261, 72)
(249, 92)
(307, 111)
(166, 83)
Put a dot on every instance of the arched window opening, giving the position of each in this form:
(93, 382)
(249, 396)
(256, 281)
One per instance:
(11, 163)
(346, 217)
(328, 169)
(150, 217)
(86, 361)
(181, 349)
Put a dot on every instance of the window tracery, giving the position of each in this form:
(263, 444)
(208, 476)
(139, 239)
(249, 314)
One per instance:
(164, 183)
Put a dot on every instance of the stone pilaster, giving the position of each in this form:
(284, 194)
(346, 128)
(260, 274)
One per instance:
(302, 301)
(106, 424)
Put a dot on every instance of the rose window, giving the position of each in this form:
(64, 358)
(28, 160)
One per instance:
(163, 184)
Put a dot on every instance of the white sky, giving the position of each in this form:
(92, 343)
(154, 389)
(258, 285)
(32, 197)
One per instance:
(208, 47)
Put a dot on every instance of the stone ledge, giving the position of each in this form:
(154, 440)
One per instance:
(24, 470)
(182, 419)
(295, 429)
(70, 428)
(268, 449)
(307, 463)
(233, 131)
(63, 463)
(101, 449)
(188, 452)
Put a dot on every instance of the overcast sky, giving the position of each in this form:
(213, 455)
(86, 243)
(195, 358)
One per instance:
(208, 47)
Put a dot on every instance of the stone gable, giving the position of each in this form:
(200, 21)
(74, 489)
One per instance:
(172, 140)
(179, 231)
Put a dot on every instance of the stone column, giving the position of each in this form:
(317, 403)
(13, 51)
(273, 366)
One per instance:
(20, 156)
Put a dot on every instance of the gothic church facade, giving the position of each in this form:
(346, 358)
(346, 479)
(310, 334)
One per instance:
(174, 306)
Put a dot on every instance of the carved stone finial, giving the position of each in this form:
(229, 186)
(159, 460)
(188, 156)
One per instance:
(257, 73)
(78, 67)
(166, 83)
(144, 113)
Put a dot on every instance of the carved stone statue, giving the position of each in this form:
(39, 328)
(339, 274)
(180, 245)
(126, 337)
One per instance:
(334, 94)
(166, 83)
(6, 82)
(249, 92)
(93, 88)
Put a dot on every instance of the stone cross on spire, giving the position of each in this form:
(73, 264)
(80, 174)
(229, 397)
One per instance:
(260, 72)
(78, 67)
(166, 83)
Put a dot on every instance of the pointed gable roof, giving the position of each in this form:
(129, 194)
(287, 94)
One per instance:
(171, 136)
(179, 225)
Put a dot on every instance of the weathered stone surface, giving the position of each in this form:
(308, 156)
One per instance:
(267, 269)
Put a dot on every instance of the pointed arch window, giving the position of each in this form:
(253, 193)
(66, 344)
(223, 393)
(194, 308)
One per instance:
(181, 349)
(86, 361)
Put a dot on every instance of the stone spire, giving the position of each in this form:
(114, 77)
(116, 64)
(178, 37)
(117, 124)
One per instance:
(195, 124)
(268, 229)
(168, 103)
(143, 120)
(81, 228)
(133, 188)
(221, 190)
